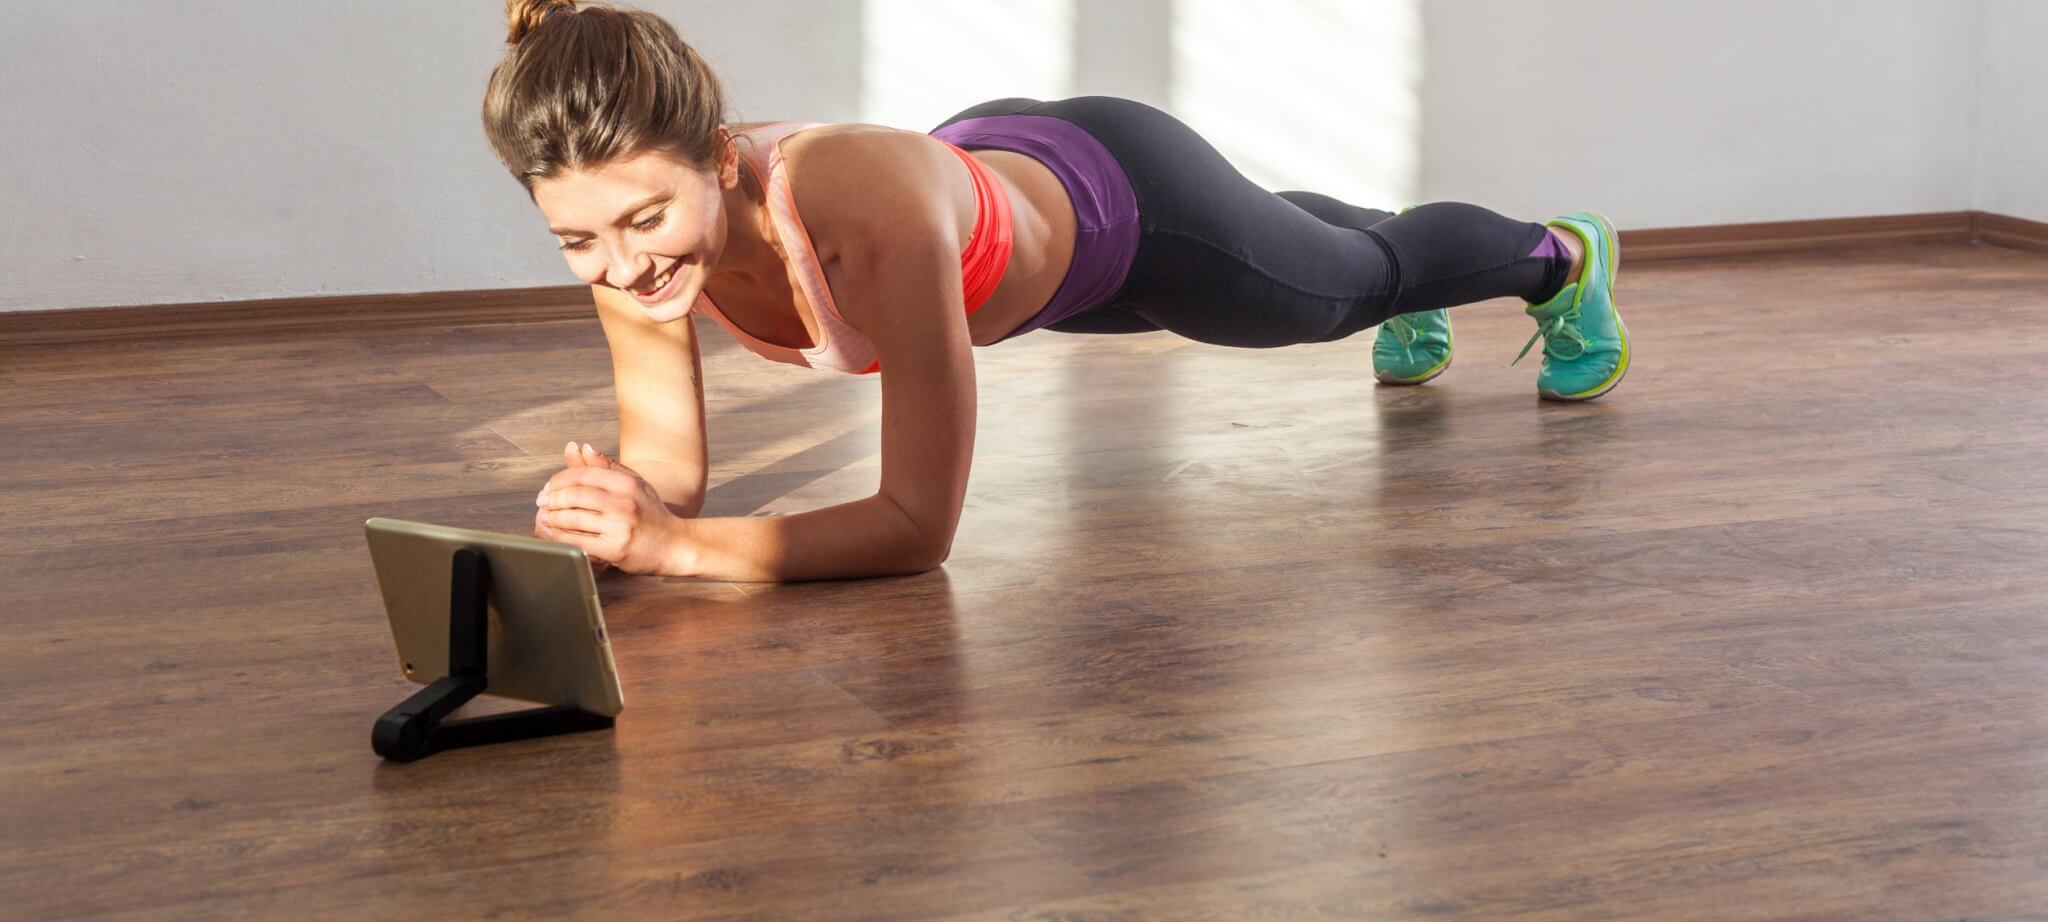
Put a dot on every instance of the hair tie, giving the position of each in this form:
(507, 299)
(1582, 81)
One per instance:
(557, 11)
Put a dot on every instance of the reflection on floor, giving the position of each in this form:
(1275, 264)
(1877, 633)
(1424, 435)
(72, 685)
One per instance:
(1228, 631)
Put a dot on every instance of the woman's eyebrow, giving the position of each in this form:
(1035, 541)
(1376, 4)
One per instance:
(658, 196)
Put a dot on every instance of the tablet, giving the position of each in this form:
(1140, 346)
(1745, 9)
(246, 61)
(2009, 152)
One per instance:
(547, 639)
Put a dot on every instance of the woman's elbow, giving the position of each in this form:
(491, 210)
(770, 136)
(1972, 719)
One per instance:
(928, 555)
(929, 559)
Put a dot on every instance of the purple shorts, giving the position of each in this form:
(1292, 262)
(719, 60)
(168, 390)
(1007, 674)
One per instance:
(1105, 208)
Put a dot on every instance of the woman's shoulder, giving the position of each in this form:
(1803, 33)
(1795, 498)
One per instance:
(858, 178)
(848, 152)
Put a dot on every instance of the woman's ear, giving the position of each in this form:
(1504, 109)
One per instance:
(728, 159)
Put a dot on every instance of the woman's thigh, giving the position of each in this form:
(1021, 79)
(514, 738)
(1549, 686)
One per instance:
(1221, 259)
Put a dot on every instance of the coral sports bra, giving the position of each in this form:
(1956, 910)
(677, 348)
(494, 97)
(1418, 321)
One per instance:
(840, 346)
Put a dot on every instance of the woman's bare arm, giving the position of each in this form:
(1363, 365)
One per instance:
(658, 373)
(884, 223)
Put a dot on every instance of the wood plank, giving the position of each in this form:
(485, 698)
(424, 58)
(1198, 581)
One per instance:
(372, 313)
(1796, 236)
(1226, 633)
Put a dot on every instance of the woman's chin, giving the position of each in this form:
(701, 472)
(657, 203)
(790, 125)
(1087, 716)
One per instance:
(671, 310)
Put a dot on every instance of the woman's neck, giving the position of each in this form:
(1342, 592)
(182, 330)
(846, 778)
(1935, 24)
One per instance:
(748, 251)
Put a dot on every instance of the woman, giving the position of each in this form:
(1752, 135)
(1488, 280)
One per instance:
(875, 250)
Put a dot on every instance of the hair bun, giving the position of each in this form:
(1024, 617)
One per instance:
(524, 16)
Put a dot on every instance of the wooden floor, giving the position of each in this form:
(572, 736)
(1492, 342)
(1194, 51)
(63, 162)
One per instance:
(1226, 634)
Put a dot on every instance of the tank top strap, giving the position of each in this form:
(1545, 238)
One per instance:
(840, 346)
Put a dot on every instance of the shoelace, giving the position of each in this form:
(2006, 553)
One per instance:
(1405, 332)
(1554, 330)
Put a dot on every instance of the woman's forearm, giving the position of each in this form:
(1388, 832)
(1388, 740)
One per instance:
(681, 489)
(868, 537)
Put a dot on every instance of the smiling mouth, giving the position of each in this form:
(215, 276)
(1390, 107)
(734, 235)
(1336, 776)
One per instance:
(661, 285)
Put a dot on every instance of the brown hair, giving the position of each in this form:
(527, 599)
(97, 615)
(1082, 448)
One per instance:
(580, 88)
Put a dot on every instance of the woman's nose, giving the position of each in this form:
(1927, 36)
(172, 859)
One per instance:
(623, 273)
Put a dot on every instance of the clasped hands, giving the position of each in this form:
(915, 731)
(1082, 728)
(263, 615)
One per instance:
(608, 510)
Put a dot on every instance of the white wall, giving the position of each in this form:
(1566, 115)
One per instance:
(1324, 96)
(238, 149)
(1670, 114)
(2012, 170)
(212, 150)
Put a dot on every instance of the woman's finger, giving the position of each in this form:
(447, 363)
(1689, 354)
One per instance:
(581, 454)
(603, 459)
(561, 524)
(579, 496)
(614, 480)
(588, 542)
(597, 564)
(575, 520)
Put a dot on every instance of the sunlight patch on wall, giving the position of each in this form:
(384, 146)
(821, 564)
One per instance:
(924, 60)
(1322, 95)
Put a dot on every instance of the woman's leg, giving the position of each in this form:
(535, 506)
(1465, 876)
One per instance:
(1224, 261)
(1106, 318)
(1111, 319)
(1333, 212)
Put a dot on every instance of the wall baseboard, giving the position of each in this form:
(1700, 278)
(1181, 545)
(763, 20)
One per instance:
(1797, 236)
(327, 313)
(2015, 233)
(376, 312)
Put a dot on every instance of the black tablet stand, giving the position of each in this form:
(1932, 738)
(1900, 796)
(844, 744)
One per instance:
(414, 729)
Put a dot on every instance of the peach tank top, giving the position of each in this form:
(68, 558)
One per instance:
(841, 347)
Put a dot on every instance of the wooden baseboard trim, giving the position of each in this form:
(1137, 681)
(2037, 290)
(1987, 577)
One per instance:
(2016, 233)
(344, 313)
(1796, 236)
(327, 313)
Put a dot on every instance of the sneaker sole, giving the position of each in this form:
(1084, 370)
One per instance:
(1388, 377)
(1613, 274)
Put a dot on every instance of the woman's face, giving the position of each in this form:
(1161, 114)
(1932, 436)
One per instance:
(647, 223)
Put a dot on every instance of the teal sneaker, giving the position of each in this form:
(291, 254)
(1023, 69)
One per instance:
(1412, 348)
(1585, 344)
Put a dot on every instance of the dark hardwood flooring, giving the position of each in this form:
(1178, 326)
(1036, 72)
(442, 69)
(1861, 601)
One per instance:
(1226, 634)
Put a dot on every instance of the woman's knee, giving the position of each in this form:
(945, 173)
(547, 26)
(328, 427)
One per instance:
(1104, 320)
(1333, 211)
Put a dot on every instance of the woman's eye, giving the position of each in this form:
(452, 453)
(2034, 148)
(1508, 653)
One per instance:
(647, 225)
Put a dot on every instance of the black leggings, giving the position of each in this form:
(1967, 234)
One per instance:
(1223, 261)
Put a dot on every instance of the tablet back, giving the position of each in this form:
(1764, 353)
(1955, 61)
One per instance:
(547, 638)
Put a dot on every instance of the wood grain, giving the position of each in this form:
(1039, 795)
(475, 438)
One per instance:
(552, 303)
(1659, 243)
(301, 315)
(2008, 231)
(1227, 634)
